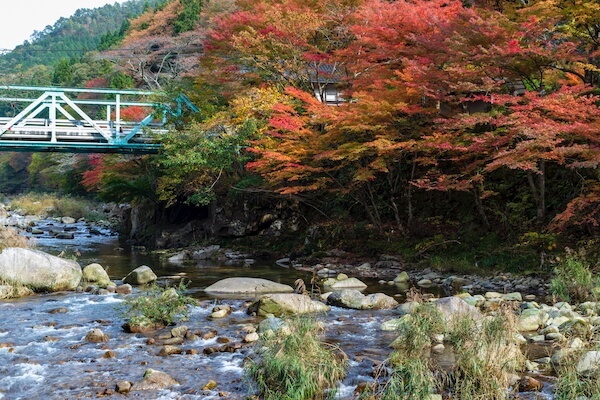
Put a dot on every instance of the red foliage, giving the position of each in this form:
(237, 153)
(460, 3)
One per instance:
(134, 113)
(91, 178)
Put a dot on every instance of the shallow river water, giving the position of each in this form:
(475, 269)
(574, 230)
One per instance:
(43, 353)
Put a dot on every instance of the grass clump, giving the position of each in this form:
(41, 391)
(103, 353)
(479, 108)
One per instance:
(297, 364)
(484, 351)
(574, 280)
(157, 307)
(45, 204)
(486, 356)
(571, 385)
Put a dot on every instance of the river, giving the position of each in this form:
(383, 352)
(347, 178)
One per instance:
(43, 353)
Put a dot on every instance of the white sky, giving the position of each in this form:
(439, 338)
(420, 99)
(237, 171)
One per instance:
(21, 17)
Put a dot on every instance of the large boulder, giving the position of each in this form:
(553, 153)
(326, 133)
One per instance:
(453, 308)
(282, 304)
(97, 274)
(38, 270)
(352, 298)
(244, 285)
(140, 276)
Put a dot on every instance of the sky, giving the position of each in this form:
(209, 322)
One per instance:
(20, 18)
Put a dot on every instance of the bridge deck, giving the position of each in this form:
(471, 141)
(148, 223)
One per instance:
(54, 122)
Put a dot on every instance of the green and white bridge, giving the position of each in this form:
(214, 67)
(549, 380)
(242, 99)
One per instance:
(56, 119)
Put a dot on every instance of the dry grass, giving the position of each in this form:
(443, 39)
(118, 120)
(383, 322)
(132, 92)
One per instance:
(10, 237)
(49, 205)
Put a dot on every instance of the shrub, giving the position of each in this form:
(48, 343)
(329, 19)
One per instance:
(55, 206)
(157, 307)
(574, 280)
(297, 365)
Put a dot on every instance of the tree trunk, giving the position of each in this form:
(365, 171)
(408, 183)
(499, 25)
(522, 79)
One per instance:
(479, 207)
(538, 189)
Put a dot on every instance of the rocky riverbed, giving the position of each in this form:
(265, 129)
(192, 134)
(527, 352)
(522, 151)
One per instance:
(71, 344)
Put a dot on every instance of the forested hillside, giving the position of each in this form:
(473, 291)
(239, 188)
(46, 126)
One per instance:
(72, 37)
(468, 129)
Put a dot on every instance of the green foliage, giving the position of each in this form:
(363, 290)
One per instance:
(186, 20)
(574, 279)
(74, 36)
(197, 161)
(63, 72)
(297, 365)
(157, 306)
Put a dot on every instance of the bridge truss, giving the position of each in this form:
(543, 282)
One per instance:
(80, 120)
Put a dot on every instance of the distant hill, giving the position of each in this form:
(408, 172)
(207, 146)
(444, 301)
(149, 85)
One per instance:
(72, 37)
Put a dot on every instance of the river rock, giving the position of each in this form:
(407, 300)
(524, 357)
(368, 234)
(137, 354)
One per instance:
(180, 257)
(168, 350)
(179, 331)
(96, 336)
(154, 380)
(589, 362)
(206, 253)
(123, 387)
(529, 320)
(352, 298)
(221, 311)
(347, 283)
(124, 289)
(453, 307)
(38, 270)
(95, 273)
(402, 277)
(251, 337)
(281, 304)
(140, 276)
(68, 220)
(245, 285)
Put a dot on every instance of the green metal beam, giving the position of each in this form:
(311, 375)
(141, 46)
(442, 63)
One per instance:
(131, 148)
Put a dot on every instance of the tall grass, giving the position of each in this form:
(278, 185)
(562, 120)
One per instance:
(484, 352)
(574, 280)
(297, 365)
(486, 357)
(571, 385)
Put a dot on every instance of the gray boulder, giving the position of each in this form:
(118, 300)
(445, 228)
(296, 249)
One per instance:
(282, 304)
(38, 270)
(589, 362)
(244, 285)
(351, 298)
(454, 307)
(140, 276)
(348, 283)
(96, 273)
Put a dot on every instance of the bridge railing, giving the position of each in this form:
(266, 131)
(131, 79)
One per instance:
(54, 118)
